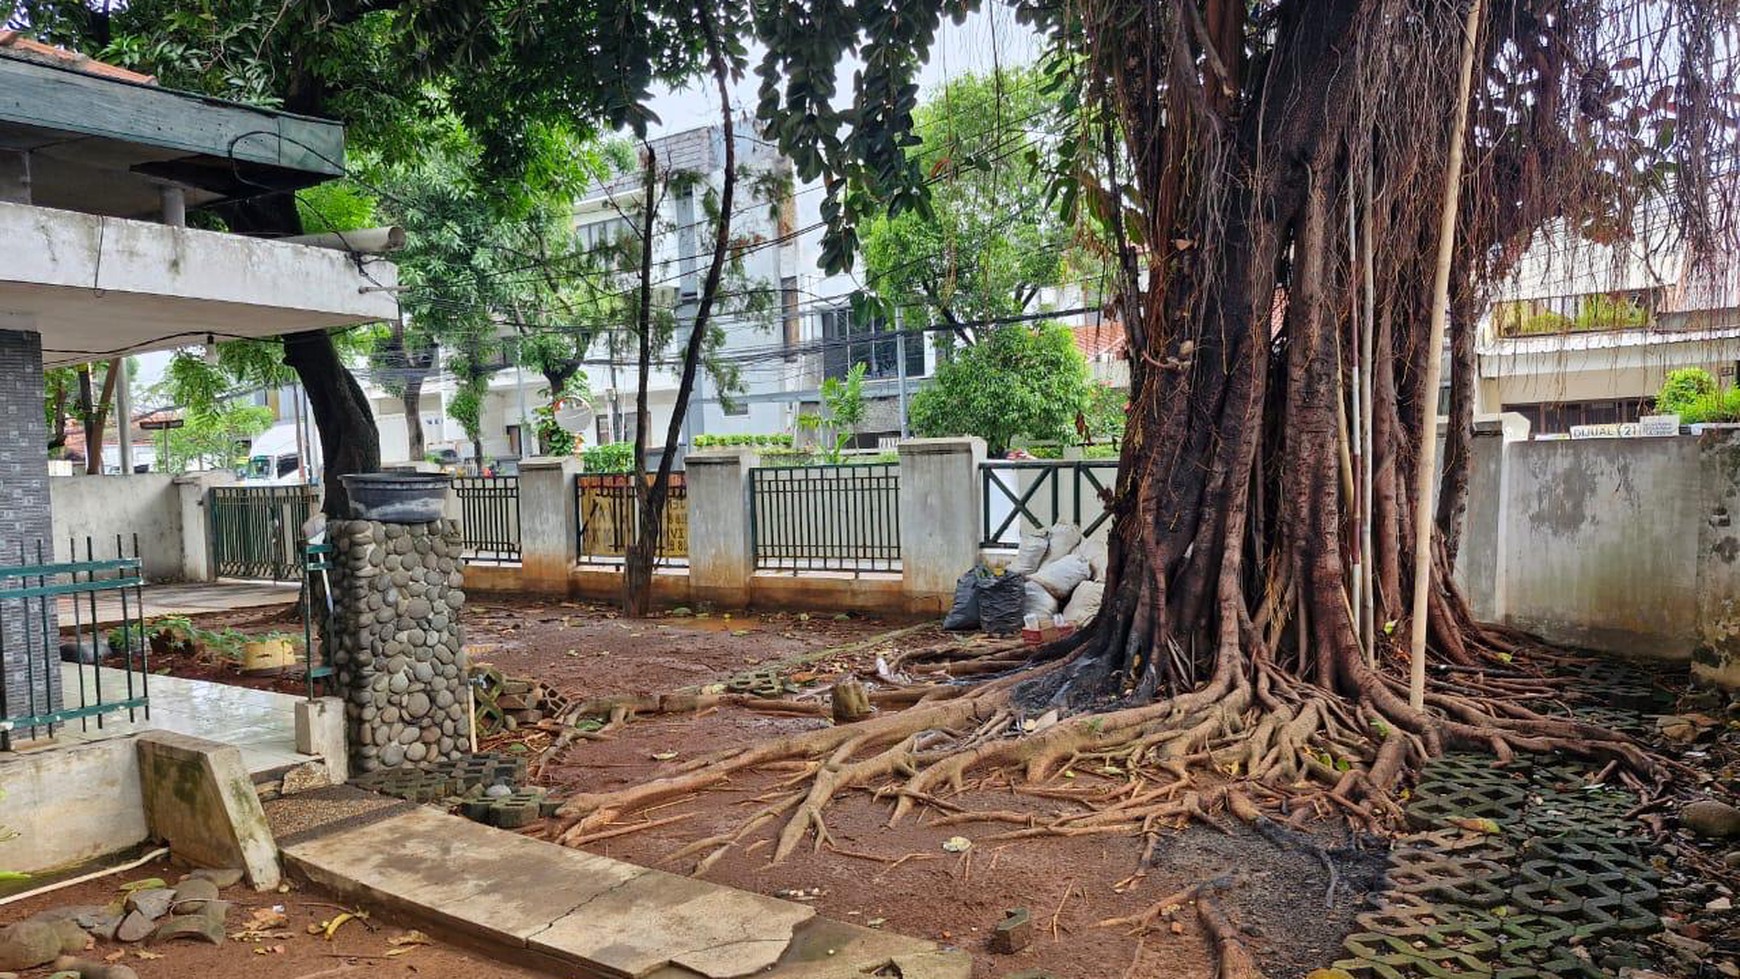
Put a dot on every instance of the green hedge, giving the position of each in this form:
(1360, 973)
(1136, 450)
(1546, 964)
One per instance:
(611, 457)
(759, 441)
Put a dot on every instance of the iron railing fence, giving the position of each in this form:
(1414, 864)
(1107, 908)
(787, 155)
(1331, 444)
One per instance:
(489, 516)
(256, 531)
(108, 650)
(1021, 495)
(826, 518)
(607, 515)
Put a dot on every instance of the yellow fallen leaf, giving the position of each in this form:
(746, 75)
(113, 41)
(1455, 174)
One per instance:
(1474, 825)
(147, 956)
(663, 755)
(412, 937)
(115, 956)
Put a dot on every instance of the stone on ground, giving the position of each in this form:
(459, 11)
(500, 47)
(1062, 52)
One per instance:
(221, 876)
(191, 895)
(306, 776)
(206, 924)
(152, 902)
(135, 927)
(28, 944)
(86, 969)
(1710, 818)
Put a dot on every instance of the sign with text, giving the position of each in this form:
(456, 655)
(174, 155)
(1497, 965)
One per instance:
(1650, 426)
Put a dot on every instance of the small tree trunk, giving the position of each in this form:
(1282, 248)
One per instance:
(412, 398)
(348, 440)
(851, 702)
(1458, 439)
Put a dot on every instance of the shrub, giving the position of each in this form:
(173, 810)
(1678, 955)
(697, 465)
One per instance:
(1682, 388)
(611, 457)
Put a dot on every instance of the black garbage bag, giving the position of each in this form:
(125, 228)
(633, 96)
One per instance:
(964, 613)
(1000, 599)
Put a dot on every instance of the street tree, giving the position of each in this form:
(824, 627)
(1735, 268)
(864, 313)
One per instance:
(1018, 381)
(1273, 178)
(989, 241)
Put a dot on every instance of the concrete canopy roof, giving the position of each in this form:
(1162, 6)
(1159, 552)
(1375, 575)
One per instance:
(97, 287)
(104, 143)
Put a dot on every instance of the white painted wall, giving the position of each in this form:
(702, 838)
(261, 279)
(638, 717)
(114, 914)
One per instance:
(99, 507)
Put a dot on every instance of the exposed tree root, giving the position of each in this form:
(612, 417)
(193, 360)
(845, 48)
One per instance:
(1242, 743)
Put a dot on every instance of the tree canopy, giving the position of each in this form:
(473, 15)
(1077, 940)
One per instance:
(989, 240)
(1016, 382)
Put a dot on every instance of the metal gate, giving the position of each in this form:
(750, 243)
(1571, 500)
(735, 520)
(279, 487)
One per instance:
(256, 531)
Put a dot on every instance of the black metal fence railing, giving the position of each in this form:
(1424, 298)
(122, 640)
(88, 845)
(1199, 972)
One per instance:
(106, 658)
(256, 531)
(607, 515)
(489, 516)
(1020, 495)
(826, 518)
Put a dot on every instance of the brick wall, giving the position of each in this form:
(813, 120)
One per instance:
(24, 516)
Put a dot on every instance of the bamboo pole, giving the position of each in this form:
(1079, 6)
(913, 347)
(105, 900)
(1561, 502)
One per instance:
(1368, 357)
(1425, 482)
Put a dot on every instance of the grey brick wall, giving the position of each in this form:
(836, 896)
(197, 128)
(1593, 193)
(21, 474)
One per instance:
(24, 519)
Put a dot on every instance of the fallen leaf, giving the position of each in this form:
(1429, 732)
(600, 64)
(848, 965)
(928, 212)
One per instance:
(148, 956)
(412, 937)
(1475, 825)
(115, 956)
(957, 844)
(146, 884)
(663, 755)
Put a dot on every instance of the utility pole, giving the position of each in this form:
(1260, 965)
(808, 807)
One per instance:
(900, 355)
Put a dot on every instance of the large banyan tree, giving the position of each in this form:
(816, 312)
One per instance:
(1272, 177)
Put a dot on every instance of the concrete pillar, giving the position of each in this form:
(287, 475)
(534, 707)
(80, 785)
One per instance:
(190, 490)
(1479, 563)
(721, 535)
(547, 523)
(1716, 655)
(25, 523)
(320, 732)
(940, 514)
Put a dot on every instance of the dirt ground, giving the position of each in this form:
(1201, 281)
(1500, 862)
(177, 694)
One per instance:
(902, 879)
(585, 649)
(357, 951)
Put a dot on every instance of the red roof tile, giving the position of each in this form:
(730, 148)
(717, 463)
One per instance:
(14, 43)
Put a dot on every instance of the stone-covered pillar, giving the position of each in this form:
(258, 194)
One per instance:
(721, 539)
(940, 517)
(398, 591)
(25, 520)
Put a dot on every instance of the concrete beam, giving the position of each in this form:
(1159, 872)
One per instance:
(200, 800)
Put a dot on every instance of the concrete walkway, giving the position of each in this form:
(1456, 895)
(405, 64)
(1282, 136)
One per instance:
(195, 598)
(580, 914)
(259, 722)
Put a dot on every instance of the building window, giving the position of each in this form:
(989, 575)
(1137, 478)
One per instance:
(1557, 418)
(734, 408)
(848, 340)
(605, 233)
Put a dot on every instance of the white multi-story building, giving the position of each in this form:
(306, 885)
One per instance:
(1584, 333)
(780, 358)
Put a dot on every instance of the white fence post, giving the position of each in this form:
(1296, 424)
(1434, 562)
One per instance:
(548, 523)
(721, 541)
(940, 512)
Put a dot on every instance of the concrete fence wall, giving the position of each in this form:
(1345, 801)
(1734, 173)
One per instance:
(167, 512)
(1619, 545)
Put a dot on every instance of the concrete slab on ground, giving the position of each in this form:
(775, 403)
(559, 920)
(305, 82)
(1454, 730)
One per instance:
(261, 723)
(589, 913)
(191, 598)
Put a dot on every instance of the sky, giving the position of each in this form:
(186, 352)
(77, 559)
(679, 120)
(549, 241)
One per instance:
(986, 39)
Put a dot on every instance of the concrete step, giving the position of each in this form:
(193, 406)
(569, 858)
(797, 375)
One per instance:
(581, 914)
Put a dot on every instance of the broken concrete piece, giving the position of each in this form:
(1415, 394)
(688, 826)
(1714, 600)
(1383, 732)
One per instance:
(152, 902)
(1013, 933)
(192, 894)
(200, 798)
(221, 876)
(206, 924)
(28, 944)
(135, 927)
(86, 969)
(306, 776)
